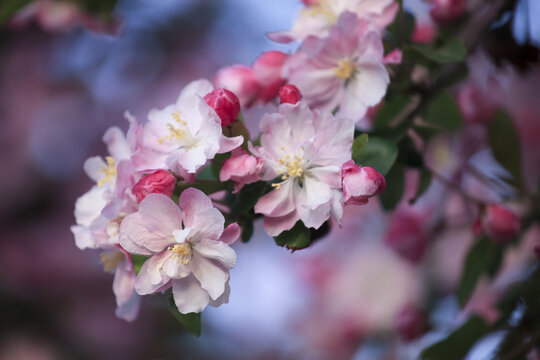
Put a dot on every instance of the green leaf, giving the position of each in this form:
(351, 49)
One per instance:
(359, 143)
(239, 128)
(206, 174)
(459, 342)
(391, 110)
(247, 230)
(138, 262)
(451, 51)
(248, 197)
(423, 184)
(217, 163)
(191, 321)
(444, 112)
(378, 153)
(481, 259)
(504, 143)
(402, 28)
(295, 239)
(8, 8)
(395, 184)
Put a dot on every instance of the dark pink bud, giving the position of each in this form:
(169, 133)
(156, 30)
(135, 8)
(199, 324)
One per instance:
(360, 183)
(423, 34)
(500, 223)
(407, 236)
(289, 94)
(159, 182)
(225, 103)
(446, 11)
(411, 323)
(268, 69)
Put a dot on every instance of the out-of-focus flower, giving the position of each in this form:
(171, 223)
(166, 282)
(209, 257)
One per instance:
(411, 323)
(241, 80)
(474, 105)
(446, 11)
(242, 168)
(407, 235)
(225, 103)
(394, 57)
(159, 182)
(186, 134)
(344, 71)
(304, 149)
(360, 183)
(194, 258)
(320, 15)
(289, 94)
(268, 71)
(423, 34)
(500, 223)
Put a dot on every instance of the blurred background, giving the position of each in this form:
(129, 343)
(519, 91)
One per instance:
(62, 85)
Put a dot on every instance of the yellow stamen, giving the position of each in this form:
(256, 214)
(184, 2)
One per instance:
(322, 8)
(111, 260)
(182, 251)
(345, 69)
(109, 171)
(174, 133)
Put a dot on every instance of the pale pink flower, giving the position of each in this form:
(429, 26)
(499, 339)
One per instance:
(304, 150)
(268, 69)
(360, 183)
(344, 71)
(241, 80)
(188, 248)
(320, 15)
(186, 134)
(242, 168)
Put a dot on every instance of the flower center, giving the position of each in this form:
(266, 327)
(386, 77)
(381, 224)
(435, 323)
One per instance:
(322, 8)
(290, 168)
(110, 260)
(182, 251)
(345, 69)
(109, 171)
(175, 133)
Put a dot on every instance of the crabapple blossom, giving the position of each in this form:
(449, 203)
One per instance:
(360, 183)
(242, 168)
(343, 71)
(225, 103)
(320, 15)
(500, 223)
(268, 71)
(304, 150)
(184, 135)
(188, 248)
(241, 80)
(289, 94)
(159, 182)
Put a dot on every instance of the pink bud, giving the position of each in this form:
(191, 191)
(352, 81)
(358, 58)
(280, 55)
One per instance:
(446, 11)
(241, 168)
(423, 34)
(393, 57)
(225, 103)
(500, 224)
(267, 69)
(474, 106)
(410, 323)
(241, 81)
(407, 235)
(360, 183)
(309, 2)
(159, 182)
(289, 94)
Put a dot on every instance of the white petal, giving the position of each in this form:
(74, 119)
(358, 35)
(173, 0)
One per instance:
(211, 276)
(189, 296)
(217, 250)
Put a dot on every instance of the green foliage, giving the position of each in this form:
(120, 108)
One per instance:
(247, 229)
(395, 185)
(450, 51)
(246, 199)
(459, 342)
(295, 239)
(401, 29)
(504, 143)
(207, 174)
(359, 144)
(191, 321)
(484, 257)
(8, 8)
(138, 262)
(391, 110)
(378, 153)
(444, 112)
(423, 184)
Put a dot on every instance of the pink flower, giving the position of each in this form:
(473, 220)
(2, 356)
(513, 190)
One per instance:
(188, 248)
(475, 106)
(320, 15)
(268, 71)
(289, 94)
(225, 103)
(159, 182)
(184, 135)
(394, 57)
(241, 168)
(241, 81)
(360, 183)
(407, 235)
(500, 223)
(344, 71)
(304, 150)
(446, 11)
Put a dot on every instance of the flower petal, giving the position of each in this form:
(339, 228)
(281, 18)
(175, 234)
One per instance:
(277, 202)
(160, 215)
(211, 276)
(276, 225)
(217, 250)
(231, 234)
(150, 278)
(189, 296)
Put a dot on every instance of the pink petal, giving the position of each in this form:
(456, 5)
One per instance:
(227, 144)
(211, 276)
(150, 278)
(189, 296)
(275, 225)
(217, 250)
(160, 215)
(231, 234)
(277, 202)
